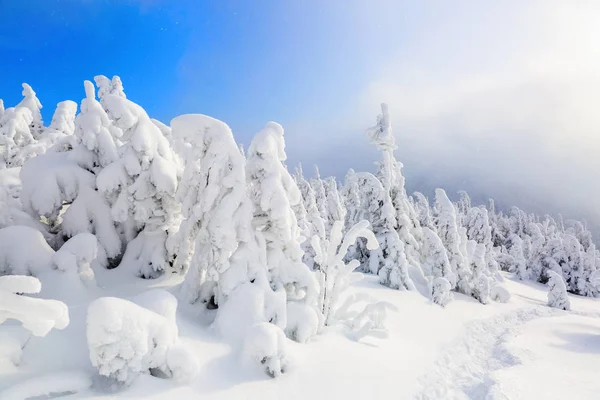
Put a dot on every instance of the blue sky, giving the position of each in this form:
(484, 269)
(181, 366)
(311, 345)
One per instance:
(497, 97)
(240, 61)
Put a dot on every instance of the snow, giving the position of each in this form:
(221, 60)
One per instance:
(126, 339)
(38, 316)
(267, 268)
(465, 331)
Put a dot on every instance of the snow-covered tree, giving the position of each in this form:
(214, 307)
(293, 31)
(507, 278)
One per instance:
(274, 193)
(517, 252)
(447, 229)
(380, 212)
(141, 184)
(350, 193)
(335, 208)
(216, 216)
(320, 195)
(463, 207)
(117, 87)
(392, 179)
(314, 222)
(32, 103)
(435, 257)
(557, 292)
(479, 229)
(440, 291)
(423, 210)
(480, 282)
(63, 120)
(17, 144)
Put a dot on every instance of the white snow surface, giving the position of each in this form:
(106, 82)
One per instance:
(521, 349)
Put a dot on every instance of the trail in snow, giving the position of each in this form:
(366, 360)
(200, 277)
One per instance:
(463, 369)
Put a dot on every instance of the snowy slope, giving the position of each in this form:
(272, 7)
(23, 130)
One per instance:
(518, 350)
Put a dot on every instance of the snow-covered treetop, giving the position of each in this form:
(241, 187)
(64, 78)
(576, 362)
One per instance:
(31, 102)
(117, 87)
(63, 119)
(104, 85)
(381, 134)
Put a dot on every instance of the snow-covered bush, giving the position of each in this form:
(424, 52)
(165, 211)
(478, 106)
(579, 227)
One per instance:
(38, 316)
(364, 316)
(125, 339)
(249, 304)
(252, 322)
(440, 291)
(266, 344)
(557, 292)
(302, 322)
(75, 257)
(335, 275)
(500, 294)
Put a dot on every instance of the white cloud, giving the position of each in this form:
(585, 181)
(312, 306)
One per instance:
(505, 103)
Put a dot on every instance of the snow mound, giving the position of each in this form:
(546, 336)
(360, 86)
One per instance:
(23, 251)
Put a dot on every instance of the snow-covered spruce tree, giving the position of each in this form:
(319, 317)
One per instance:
(435, 257)
(315, 223)
(63, 119)
(335, 208)
(592, 276)
(350, 194)
(463, 207)
(31, 102)
(116, 87)
(388, 260)
(480, 282)
(440, 291)
(517, 252)
(447, 229)
(1, 108)
(478, 229)
(573, 268)
(423, 210)
(535, 258)
(17, 144)
(557, 292)
(274, 193)
(320, 195)
(61, 185)
(390, 175)
(216, 216)
(141, 184)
